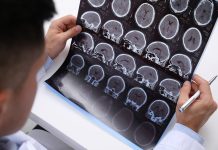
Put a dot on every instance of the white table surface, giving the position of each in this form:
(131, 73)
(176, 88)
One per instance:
(64, 119)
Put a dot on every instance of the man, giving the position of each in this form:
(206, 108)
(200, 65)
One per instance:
(22, 55)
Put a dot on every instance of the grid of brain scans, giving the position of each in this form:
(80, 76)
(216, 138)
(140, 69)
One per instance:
(131, 59)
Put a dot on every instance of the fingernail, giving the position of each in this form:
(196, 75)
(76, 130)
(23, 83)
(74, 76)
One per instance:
(78, 28)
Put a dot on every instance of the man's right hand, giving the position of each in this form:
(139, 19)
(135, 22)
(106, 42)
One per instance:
(197, 114)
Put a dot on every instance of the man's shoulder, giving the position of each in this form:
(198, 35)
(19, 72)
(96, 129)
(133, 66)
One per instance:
(19, 141)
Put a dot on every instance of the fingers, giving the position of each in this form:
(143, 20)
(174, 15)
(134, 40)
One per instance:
(71, 32)
(65, 23)
(194, 88)
(68, 21)
(184, 93)
(203, 85)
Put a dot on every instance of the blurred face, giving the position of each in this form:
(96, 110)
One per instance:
(16, 105)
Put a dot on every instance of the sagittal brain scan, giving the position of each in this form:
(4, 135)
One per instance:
(84, 42)
(115, 86)
(127, 66)
(147, 76)
(104, 52)
(123, 120)
(136, 98)
(170, 88)
(135, 41)
(145, 128)
(97, 3)
(145, 15)
(204, 12)
(91, 20)
(113, 30)
(181, 65)
(158, 111)
(192, 39)
(179, 6)
(121, 7)
(169, 26)
(158, 52)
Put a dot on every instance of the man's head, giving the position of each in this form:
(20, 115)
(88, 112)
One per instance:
(21, 56)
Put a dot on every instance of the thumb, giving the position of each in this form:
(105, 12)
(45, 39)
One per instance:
(72, 32)
(184, 93)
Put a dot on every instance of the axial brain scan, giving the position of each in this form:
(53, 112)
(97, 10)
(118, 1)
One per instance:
(204, 12)
(121, 7)
(145, 15)
(97, 3)
(192, 39)
(179, 6)
(169, 27)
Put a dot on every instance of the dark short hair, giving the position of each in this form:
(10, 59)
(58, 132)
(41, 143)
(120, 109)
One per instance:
(21, 37)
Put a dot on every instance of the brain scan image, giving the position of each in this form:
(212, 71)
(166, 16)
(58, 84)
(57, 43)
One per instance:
(158, 52)
(96, 3)
(158, 111)
(102, 107)
(123, 120)
(84, 41)
(113, 30)
(125, 64)
(77, 63)
(135, 41)
(145, 15)
(179, 6)
(105, 53)
(136, 98)
(169, 27)
(148, 129)
(181, 65)
(91, 20)
(115, 86)
(121, 7)
(192, 39)
(147, 76)
(170, 89)
(95, 75)
(204, 12)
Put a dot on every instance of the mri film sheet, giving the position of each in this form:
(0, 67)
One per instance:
(128, 64)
